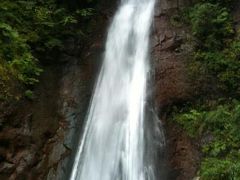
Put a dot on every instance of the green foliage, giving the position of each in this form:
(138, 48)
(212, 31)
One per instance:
(224, 3)
(216, 68)
(220, 169)
(221, 126)
(16, 53)
(223, 65)
(211, 25)
(217, 50)
(31, 31)
(191, 122)
(29, 94)
(85, 12)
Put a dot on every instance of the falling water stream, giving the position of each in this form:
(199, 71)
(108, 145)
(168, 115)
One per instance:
(114, 144)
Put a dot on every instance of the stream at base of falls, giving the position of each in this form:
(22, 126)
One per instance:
(122, 135)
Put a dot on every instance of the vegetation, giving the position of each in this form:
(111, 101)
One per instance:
(219, 129)
(215, 119)
(224, 3)
(29, 32)
(211, 25)
(218, 47)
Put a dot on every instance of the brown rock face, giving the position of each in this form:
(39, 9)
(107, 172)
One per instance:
(170, 53)
(183, 154)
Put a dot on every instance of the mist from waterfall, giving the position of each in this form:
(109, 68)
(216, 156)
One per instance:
(115, 144)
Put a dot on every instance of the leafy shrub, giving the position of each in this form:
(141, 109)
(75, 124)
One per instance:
(220, 169)
(223, 65)
(216, 67)
(221, 152)
(217, 51)
(191, 122)
(17, 54)
(31, 31)
(211, 25)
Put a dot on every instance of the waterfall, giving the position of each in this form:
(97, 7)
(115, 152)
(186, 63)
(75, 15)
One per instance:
(113, 145)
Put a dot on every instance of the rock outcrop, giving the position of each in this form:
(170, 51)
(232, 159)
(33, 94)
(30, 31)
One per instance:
(170, 52)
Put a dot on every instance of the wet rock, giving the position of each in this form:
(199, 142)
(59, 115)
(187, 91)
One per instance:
(75, 91)
(57, 154)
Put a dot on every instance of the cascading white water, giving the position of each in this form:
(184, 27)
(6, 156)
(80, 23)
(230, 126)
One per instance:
(113, 144)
